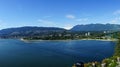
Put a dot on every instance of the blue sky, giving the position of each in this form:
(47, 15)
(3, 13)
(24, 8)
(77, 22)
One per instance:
(58, 13)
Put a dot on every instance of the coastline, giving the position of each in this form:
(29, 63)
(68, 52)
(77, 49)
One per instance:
(113, 61)
(71, 39)
(101, 39)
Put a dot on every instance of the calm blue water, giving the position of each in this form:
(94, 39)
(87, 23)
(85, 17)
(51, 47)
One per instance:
(16, 53)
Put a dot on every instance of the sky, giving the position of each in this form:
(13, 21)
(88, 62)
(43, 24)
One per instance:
(58, 13)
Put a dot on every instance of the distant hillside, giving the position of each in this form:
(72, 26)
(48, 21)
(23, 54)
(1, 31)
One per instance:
(97, 27)
(25, 31)
(45, 31)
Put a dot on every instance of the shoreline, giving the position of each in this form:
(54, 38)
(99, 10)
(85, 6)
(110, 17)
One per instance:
(101, 39)
(71, 40)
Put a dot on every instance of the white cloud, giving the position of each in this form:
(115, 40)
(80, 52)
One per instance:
(117, 12)
(68, 26)
(74, 18)
(47, 23)
(43, 21)
(82, 19)
(70, 16)
(115, 21)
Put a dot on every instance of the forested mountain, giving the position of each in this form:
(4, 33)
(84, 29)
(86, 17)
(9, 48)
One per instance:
(29, 31)
(96, 27)
(50, 31)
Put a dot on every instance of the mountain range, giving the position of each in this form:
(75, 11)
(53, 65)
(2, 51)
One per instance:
(97, 27)
(30, 31)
